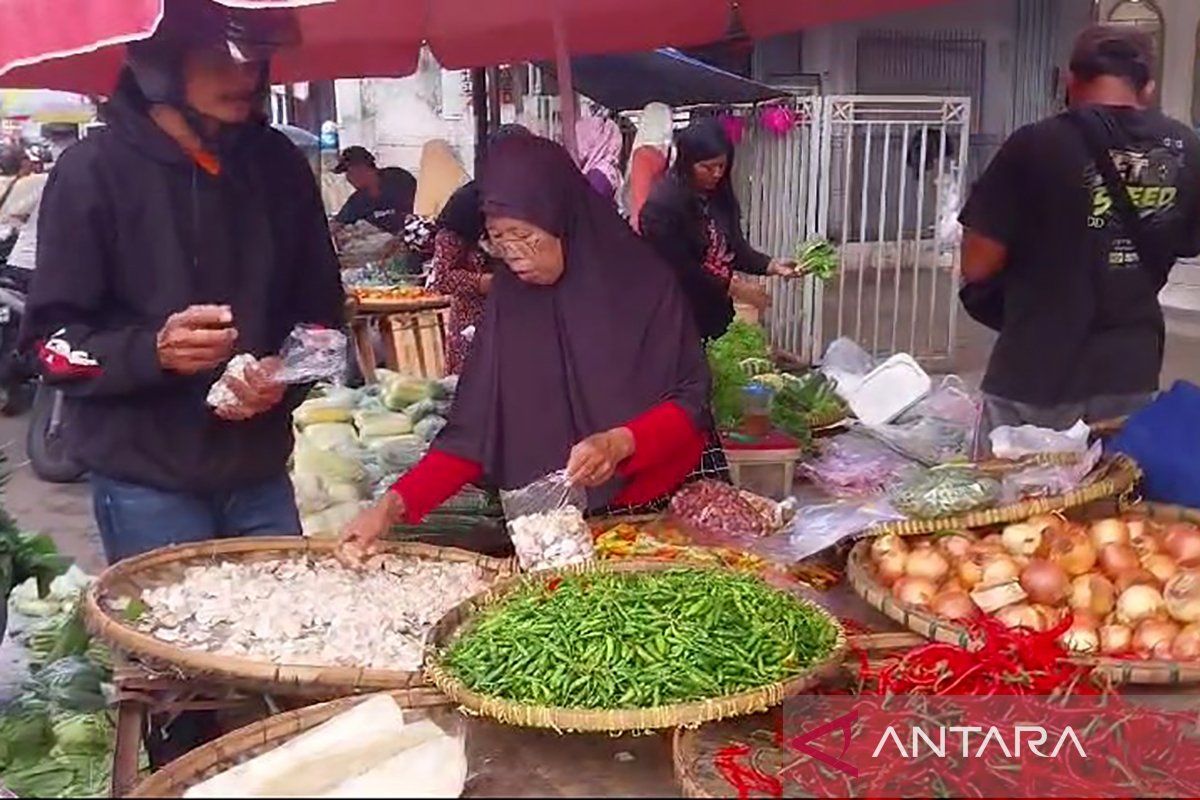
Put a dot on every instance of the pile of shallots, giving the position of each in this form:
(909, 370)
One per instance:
(1132, 585)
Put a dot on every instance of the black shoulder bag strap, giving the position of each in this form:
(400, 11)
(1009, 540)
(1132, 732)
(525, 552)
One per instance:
(1096, 135)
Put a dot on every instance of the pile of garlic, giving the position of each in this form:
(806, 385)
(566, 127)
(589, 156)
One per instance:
(551, 538)
(313, 612)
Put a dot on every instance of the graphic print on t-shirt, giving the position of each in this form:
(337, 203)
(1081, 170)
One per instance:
(1151, 174)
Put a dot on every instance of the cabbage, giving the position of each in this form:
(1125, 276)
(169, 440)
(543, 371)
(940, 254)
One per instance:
(329, 523)
(404, 391)
(330, 466)
(340, 493)
(421, 409)
(81, 733)
(428, 428)
(331, 435)
(444, 389)
(311, 496)
(336, 405)
(384, 423)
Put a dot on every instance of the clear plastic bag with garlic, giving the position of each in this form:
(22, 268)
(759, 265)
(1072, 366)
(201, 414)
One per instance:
(311, 353)
(546, 525)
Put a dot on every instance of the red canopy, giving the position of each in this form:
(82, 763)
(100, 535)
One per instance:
(77, 45)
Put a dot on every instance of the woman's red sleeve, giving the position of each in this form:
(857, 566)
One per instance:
(667, 448)
(432, 481)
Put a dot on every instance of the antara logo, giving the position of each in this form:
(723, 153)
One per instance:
(1032, 736)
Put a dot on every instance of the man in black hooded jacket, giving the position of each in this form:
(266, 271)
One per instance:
(184, 233)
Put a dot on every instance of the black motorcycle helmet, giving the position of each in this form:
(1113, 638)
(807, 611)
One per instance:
(246, 35)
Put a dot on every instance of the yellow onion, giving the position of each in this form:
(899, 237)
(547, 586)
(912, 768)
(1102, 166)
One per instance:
(1109, 531)
(914, 591)
(883, 545)
(969, 571)
(952, 604)
(1117, 558)
(956, 544)
(1045, 582)
(1023, 539)
(1182, 596)
(925, 562)
(1143, 538)
(1135, 577)
(1186, 646)
(1138, 603)
(1021, 615)
(1048, 522)
(1182, 541)
(1072, 550)
(1115, 640)
(890, 566)
(1154, 637)
(998, 569)
(991, 542)
(1081, 638)
(1093, 594)
(1161, 566)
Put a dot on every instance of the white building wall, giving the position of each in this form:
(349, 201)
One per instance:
(394, 117)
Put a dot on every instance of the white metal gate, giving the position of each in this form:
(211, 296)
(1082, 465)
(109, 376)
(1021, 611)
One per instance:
(883, 178)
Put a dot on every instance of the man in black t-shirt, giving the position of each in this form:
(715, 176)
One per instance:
(1082, 333)
(382, 197)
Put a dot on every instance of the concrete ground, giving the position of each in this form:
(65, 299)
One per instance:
(504, 761)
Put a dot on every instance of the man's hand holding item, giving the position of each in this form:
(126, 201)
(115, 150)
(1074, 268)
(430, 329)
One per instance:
(197, 339)
(256, 391)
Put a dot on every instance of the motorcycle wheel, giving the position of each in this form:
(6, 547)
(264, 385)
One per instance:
(47, 449)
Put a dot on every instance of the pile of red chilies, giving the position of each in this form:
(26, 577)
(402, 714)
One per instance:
(1001, 661)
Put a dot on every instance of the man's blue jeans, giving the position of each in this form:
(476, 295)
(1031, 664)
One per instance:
(133, 519)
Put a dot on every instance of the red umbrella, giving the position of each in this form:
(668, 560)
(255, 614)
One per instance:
(77, 45)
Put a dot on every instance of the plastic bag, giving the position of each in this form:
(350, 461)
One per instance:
(545, 522)
(815, 528)
(310, 353)
(851, 465)
(944, 491)
(939, 429)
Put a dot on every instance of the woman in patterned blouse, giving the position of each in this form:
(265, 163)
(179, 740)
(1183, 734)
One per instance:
(694, 221)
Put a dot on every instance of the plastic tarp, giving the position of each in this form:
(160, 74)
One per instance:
(626, 82)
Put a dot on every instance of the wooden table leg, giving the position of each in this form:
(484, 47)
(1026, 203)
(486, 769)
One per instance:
(360, 327)
(131, 717)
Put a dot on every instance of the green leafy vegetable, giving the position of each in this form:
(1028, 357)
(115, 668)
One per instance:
(817, 257)
(730, 359)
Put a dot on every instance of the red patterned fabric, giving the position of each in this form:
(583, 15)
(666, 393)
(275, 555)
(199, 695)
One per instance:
(457, 267)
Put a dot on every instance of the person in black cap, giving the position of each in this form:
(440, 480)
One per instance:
(382, 197)
(1073, 230)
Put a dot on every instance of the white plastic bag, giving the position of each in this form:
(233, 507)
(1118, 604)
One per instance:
(816, 527)
(545, 522)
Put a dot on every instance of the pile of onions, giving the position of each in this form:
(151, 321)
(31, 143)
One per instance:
(1132, 585)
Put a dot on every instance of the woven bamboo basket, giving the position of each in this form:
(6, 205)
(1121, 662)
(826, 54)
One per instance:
(459, 619)
(130, 577)
(924, 622)
(260, 737)
(1114, 477)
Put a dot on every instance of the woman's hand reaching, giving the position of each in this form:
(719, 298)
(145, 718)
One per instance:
(594, 461)
(360, 538)
(784, 268)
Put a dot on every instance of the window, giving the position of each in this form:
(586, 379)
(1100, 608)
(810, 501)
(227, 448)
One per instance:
(1142, 14)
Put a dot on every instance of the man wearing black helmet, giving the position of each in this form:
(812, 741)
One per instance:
(185, 232)
(1070, 235)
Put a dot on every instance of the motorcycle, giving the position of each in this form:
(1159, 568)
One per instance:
(21, 387)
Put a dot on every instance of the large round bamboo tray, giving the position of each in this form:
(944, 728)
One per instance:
(130, 577)
(458, 620)
(929, 625)
(260, 737)
(1112, 478)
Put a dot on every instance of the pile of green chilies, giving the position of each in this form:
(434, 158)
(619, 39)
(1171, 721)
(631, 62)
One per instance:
(638, 640)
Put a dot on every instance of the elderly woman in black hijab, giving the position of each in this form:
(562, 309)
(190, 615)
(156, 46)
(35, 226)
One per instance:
(586, 357)
(694, 221)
